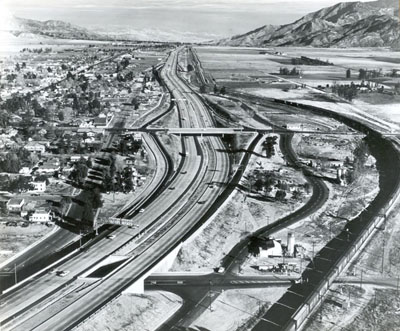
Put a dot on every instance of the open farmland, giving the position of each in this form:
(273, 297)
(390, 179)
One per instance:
(257, 71)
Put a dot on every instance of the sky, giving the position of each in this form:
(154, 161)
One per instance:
(186, 20)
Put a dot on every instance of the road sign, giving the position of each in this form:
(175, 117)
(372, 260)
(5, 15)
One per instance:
(118, 221)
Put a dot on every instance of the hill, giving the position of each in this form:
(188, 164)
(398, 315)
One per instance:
(347, 24)
(22, 27)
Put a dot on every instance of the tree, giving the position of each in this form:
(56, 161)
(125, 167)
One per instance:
(223, 90)
(4, 119)
(125, 62)
(96, 103)
(96, 198)
(11, 163)
(190, 67)
(20, 184)
(70, 75)
(87, 213)
(360, 153)
(348, 73)
(215, 89)
(280, 195)
(61, 116)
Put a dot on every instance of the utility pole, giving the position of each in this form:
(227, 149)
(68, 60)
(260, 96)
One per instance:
(361, 278)
(301, 264)
(349, 298)
(313, 247)
(209, 291)
(383, 256)
(313, 254)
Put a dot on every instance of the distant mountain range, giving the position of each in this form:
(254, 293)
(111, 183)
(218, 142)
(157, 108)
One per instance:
(347, 24)
(22, 27)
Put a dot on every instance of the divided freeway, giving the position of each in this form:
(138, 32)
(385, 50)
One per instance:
(60, 303)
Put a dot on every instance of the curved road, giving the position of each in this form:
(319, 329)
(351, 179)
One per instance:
(192, 308)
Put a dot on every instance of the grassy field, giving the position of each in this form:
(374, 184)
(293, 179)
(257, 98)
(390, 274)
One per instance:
(255, 71)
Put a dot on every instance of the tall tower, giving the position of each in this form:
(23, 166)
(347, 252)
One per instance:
(290, 243)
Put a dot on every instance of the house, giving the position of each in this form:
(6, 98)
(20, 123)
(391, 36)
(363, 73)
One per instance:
(130, 161)
(50, 167)
(39, 186)
(35, 147)
(86, 124)
(41, 215)
(25, 171)
(270, 248)
(76, 158)
(15, 204)
(137, 136)
(100, 122)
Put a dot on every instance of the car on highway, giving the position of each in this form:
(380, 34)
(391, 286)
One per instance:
(111, 236)
(53, 271)
(141, 210)
(171, 188)
(63, 273)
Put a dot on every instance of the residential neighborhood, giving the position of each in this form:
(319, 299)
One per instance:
(56, 106)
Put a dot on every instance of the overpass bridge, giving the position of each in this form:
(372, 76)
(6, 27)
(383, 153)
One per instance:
(219, 131)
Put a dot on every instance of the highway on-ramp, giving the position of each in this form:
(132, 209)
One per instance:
(202, 165)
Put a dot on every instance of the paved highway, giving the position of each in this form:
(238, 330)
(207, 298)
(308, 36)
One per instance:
(192, 308)
(202, 165)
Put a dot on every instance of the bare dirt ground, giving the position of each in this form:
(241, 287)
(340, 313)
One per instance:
(243, 306)
(134, 312)
(15, 239)
(355, 308)
(342, 306)
(239, 216)
(344, 202)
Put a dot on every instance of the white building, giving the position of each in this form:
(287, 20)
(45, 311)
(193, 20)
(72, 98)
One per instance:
(41, 216)
(137, 136)
(25, 171)
(39, 186)
(270, 248)
(35, 147)
(15, 204)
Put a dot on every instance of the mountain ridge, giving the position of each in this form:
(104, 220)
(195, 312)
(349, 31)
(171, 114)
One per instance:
(19, 26)
(345, 24)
